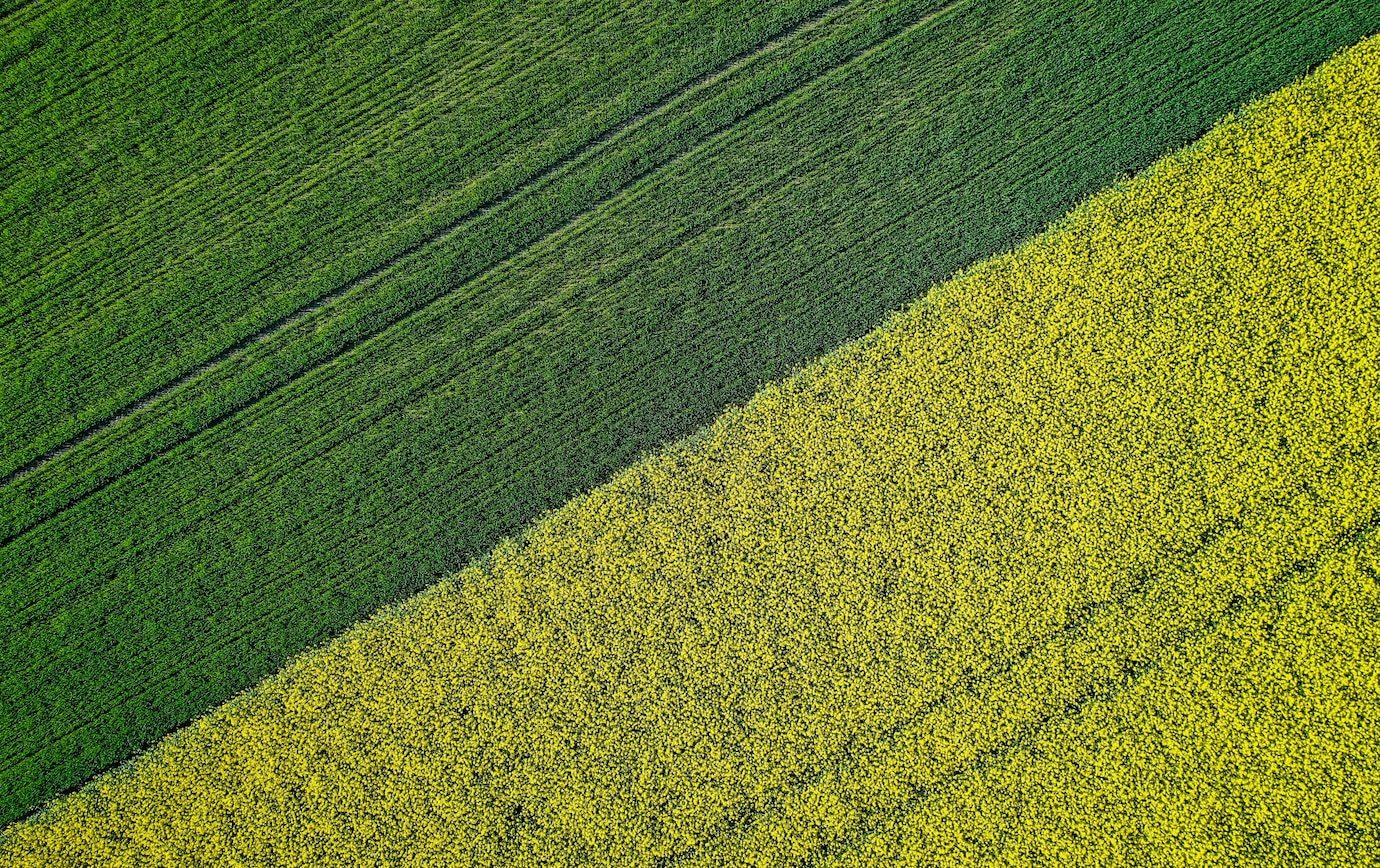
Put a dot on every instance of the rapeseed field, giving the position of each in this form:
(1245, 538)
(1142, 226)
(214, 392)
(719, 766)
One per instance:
(1074, 561)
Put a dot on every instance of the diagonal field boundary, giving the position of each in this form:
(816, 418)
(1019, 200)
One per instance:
(864, 51)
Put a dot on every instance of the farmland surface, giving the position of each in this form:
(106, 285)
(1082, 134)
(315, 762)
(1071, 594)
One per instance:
(1077, 559)
(310, 307)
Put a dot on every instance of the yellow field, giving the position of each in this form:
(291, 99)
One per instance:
(1075, 558)
(1252, 743)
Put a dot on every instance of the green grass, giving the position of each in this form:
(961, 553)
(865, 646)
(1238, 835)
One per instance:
(756, 219)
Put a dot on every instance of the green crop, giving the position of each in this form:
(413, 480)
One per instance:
(179, 176)
(1075, 560)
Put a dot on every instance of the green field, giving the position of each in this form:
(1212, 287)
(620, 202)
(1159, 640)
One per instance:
(174, 192)
(298, 325)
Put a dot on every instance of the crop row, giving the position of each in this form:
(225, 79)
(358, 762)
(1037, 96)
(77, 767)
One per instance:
(798, 227)
(215, 220)
(1077, 482)
(467, 250)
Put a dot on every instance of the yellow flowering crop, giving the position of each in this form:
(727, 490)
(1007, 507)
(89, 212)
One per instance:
(1252, 743)
(1073, 561)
